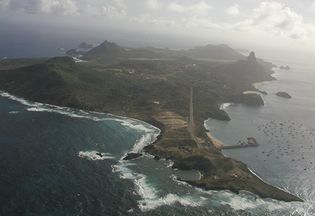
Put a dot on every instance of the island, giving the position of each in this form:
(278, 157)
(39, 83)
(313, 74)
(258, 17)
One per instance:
(174, 90)
(283, 95)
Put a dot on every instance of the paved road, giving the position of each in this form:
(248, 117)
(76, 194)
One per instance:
(191, 124)
(191, 113)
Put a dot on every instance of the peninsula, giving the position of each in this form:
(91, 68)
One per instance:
(173, 90)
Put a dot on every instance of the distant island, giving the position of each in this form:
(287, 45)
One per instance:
(174, 90)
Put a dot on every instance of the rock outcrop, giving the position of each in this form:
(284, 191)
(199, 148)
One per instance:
(250, 99)
(252, 57)
(284, 95)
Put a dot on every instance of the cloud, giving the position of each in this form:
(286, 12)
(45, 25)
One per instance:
(175, 7)
(270, 17)
(153, 4)
(111, 12)
(200, 8)
(106, 8)
(233, 11)
(4, 3)
(278, 18)
(312, 7)
(58, 7)
(275, 19)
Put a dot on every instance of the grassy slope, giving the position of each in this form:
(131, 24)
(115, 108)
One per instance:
(112, 88)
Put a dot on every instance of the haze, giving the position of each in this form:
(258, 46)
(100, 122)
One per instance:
(274, 29)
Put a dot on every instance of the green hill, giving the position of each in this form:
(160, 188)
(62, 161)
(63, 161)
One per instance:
(156, 91)
(110, 53)
(219, 52)
(44, 82)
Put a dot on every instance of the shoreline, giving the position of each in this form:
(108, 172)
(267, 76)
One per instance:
(218, 144)
(175, 141)
(194, 160)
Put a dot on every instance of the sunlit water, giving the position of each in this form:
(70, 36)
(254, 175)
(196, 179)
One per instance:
(285, 130)
(51, 163)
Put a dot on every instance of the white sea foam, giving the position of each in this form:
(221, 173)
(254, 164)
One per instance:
(91, 115)
(14, 112)
(170, 164)
(238, 202)
(136, 125)
(150, 198)
(40, 107)
(145, 140)
(175, 179)
(251, 92)
(63, 111)
(246, 200)
(77, 60)
(225, 105)
(169, 199)
(12, 97)
(95, 155)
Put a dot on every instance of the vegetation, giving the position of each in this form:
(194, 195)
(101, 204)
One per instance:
(157, 90)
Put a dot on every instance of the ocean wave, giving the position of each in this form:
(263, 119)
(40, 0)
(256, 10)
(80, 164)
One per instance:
(41, 107)
(170, 164)
(251, 92)
(150, 198)
(14, 112)
(182, 183)
(170, 199)
(250, 202)
(145, 140)
(77, 60)
(240, 202)
(12, 97)
(63, 111)
(134, 124)
(95, 155)
(225, 105)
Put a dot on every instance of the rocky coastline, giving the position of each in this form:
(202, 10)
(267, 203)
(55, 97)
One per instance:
(113, 89)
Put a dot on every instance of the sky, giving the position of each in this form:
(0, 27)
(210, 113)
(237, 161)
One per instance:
(285, 27)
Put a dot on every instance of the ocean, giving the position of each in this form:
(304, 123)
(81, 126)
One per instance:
(285, 130)
(59, 161)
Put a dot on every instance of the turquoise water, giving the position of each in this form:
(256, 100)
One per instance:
(51, 163)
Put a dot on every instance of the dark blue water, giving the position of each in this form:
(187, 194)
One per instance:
(41, 173)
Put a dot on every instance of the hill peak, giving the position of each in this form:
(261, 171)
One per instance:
(106, 49)
(252, 57)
